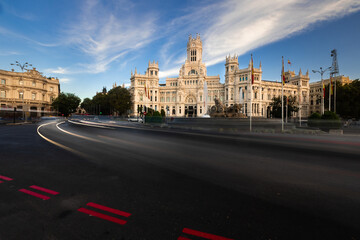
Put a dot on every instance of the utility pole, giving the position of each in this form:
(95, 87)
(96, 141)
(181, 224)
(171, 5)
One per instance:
(322, 86)
(282, 95)
(334, 72)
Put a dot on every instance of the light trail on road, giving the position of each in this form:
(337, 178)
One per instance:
(215, 185)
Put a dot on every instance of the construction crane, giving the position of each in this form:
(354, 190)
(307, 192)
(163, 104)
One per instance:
(334, 71)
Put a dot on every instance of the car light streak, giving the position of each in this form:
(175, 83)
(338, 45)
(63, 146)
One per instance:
(58, 144)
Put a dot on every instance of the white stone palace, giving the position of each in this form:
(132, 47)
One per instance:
(183, 96)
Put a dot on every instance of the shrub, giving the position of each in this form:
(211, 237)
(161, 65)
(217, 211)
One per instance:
(314, 120)
(156, 114)
(315, 116)
(329, 120)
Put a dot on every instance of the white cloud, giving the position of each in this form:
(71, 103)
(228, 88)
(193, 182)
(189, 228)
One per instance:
(237, 27)
(168, 73)
(8, 53)
(105, 34)
(58, 70)
(246, 25)
(64, 80)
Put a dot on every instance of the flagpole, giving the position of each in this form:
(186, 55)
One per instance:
(330, 88)
(282, 96)
(335, 96)
(287, 103)
(250, 107)
(251, 83)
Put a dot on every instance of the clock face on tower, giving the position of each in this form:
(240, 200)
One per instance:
(193, 44)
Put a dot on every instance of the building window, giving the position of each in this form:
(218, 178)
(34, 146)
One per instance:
(141, 98)
(200, 110)
(232, 68)
(43, 97)
(193, 55)
(155, 73)
(179, 110)
(3, 81)
(151, 73)
(3, 94)
(33, 96)
(200, 98)
(21, 95)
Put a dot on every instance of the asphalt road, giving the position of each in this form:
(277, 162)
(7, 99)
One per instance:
(145, 183)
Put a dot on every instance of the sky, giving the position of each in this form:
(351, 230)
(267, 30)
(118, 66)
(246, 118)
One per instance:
(91, 44)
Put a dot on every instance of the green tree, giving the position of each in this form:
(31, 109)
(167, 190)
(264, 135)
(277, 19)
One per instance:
(347, 99)
(87, 105)
(120, 100)
(276, 106)
(66, 103)
(101, 104)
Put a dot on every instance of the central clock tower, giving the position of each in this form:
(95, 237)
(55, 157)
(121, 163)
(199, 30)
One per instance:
(194, 49)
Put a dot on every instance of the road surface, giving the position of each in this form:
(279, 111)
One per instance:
(79, 180)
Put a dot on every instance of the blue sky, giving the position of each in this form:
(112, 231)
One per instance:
(89, 44)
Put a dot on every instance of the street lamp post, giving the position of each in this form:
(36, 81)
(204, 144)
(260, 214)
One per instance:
(322, 85)
(22, 67)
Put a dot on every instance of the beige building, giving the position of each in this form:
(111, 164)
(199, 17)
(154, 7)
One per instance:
(184, 96)
(316, 91)
(30, 91)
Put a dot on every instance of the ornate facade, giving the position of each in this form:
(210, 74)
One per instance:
(30, 91)
(184, 96)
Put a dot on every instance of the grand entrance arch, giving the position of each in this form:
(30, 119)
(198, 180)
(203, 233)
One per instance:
(190, 106)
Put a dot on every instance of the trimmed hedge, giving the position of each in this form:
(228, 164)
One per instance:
(325, 122)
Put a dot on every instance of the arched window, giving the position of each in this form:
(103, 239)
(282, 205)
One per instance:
(193, 72)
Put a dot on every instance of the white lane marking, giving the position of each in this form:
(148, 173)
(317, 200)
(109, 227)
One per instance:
(77, 135)
(90, 125)
(173, 131)
(56, 143)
